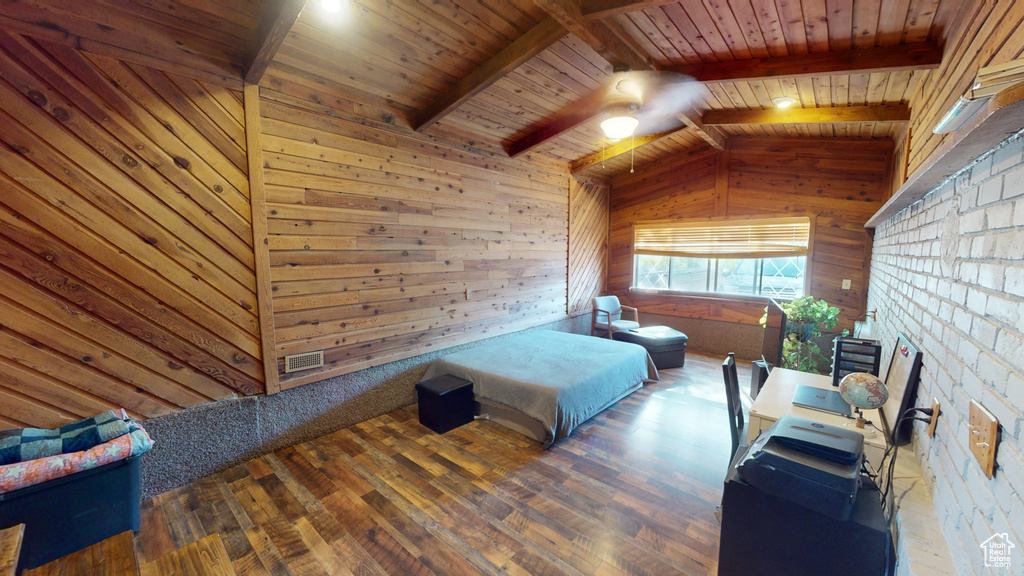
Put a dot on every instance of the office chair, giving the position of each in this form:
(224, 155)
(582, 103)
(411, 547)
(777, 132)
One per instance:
(737, 426)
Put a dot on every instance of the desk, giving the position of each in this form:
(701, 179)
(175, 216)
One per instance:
(775, 400)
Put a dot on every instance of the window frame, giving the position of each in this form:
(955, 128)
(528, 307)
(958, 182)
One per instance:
(808, 264)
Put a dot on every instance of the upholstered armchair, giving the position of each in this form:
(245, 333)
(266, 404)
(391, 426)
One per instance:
(607, 316)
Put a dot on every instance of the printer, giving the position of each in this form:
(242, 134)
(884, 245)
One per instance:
(808, 463)
(795, 504)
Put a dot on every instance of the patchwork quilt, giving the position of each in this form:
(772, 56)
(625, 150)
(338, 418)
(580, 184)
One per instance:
(132, 441)
(21, 444)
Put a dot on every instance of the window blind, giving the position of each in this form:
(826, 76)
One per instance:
(770, 238)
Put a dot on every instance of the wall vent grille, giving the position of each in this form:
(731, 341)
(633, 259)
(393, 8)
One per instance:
(306, 361)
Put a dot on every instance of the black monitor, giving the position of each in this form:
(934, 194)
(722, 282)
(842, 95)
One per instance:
(774, 334)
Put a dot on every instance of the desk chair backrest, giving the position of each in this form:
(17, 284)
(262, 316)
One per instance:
(608, 304)
(732, 398)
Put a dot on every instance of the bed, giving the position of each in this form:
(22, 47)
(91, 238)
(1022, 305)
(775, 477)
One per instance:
(544, 384)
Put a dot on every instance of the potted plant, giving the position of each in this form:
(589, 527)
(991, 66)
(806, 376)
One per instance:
(805, 320)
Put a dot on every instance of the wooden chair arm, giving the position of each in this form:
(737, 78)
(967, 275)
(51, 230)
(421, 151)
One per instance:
(636, 314)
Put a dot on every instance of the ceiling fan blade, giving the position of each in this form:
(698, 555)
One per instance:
(657, 124)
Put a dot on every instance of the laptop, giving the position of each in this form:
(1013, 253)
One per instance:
(821, 400)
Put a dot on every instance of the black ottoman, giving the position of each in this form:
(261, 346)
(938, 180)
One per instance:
(666, 346)
(446, 402)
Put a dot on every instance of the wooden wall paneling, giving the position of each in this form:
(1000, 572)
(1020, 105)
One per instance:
(134, 127)
(386, 243)
(161, 41)
(838, 183)
(127, 262)
(588, 243)
(260, 237)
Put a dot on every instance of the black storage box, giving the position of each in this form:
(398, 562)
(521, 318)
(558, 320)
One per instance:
(67, 514)
(666, 346)
(445, 402)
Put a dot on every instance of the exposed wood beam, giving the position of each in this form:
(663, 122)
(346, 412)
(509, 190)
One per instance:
(535, 41)
(621, 147)
(560, 125)
(713, 136)
(878, 113)
(277, 21)
(260, 237)
(600, 36)
(594, 9)
(862, 60)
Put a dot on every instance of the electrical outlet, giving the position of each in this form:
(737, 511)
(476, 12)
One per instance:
(935, 418)
(847, 283)
(984, 437)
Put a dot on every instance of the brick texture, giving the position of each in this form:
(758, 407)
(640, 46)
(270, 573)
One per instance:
(949, 273)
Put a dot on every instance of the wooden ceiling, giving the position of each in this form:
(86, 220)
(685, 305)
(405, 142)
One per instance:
(522, 73)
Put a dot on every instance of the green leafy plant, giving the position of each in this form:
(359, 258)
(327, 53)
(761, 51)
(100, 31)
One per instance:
(805, 321)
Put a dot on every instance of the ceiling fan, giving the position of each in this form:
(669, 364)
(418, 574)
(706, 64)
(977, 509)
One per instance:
(641, 102)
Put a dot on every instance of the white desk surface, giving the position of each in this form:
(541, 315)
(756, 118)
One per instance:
(775, 400)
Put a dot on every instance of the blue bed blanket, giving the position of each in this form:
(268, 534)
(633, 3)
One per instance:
(557, 378)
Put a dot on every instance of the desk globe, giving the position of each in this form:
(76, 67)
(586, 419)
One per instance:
(866, 391)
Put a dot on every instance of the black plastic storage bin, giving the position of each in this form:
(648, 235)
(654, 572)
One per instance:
(67, 514)
(445, 402)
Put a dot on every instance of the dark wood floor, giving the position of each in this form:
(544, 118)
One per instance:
(632, 492)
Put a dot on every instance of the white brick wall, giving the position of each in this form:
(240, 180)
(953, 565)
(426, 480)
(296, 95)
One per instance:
(949, 273)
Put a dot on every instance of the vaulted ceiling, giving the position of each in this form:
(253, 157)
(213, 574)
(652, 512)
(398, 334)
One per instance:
(524, 73)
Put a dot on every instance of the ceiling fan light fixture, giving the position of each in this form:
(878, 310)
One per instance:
(783, 101)
(619, 127)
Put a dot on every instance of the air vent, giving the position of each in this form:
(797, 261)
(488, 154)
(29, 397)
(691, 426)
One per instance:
(305, 361)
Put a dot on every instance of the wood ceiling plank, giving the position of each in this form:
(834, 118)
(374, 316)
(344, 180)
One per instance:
(792, 19)
(535, 41)
(748, 21)
(427, 63)
(892, 20)
(668, 28)
(651, 38)
(597, 34)
(858, 95)
(375, 30)
(728, 28)
(689, 32)
(229, 32)
(597, 9)
(865, 24)
(815, 21)
(922, 55)
(771, 27)
(876, 113)
(840, 24)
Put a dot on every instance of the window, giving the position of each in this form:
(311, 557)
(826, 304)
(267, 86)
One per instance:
(739, 257)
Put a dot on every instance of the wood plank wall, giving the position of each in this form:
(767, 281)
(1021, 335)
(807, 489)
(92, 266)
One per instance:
(386, 244)
(126, 261)
(201, 40)
(588, 243)
(838, 183)
(981, 33)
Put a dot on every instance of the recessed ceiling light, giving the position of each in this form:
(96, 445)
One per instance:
(332, 6)
(783, 102)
